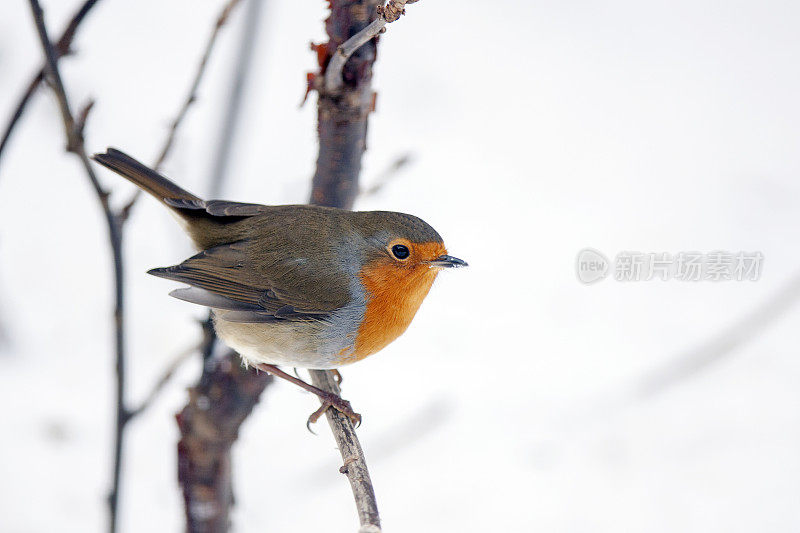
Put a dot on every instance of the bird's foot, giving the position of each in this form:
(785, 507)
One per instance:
(329, 400)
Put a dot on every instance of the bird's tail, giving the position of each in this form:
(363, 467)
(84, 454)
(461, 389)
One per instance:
(144, 177)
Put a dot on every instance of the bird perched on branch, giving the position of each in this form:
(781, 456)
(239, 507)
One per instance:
(298, 285)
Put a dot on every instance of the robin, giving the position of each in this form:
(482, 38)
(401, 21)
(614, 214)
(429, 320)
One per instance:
(298, 285)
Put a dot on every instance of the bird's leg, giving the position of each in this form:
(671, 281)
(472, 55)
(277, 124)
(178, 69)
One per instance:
(336, 375)
(328, 399)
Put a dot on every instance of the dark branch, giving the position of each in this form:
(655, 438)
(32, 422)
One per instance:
(386, 14)
(73, 131)
(342, 117)
(342, 128)
(209, 425)
(62, 48)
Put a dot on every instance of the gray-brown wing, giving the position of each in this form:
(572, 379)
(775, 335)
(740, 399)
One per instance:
(220, 277)
(218, 208)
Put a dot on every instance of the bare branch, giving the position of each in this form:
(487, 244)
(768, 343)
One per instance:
(342, 129)
(227, 132)
(166, 376)
(209, 425)
(207, 343)
(386, 14)
(192, 95)
(83, 115)
(355, 464)
(386, 176)
(342, 117)
(20, 109)
(62, 48)
(74, 135)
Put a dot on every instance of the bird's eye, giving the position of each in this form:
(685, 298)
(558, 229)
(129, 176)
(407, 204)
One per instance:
(400, 251)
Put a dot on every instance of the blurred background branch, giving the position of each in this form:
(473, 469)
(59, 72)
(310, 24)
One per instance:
(61, 48)
(209, 424)
(387, 176)
(233, 109)
(722, 344)
(191, 95)
(198, 78)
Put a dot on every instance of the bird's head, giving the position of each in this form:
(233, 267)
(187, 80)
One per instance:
(401, 246)
(402, 256)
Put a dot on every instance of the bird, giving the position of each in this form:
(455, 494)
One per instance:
(303, 286)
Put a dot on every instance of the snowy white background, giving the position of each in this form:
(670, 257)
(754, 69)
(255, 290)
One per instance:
(514, 402)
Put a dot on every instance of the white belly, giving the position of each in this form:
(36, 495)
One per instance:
(312, 344)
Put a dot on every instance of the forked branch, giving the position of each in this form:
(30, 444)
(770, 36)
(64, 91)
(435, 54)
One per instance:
(62, 48)
(73, 131)
(198, 77)
(191, 97)
(386, 14)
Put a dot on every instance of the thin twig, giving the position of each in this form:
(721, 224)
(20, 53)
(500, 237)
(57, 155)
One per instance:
(386, 14)
(355, 464)
(230, 121)
(75, 145)
(191, 97)
(166, 376)
(20, 109)
(207, 345)
(386, 176)
(198, 77)
(62, 48)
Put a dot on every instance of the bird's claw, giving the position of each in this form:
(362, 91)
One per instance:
(338, 403)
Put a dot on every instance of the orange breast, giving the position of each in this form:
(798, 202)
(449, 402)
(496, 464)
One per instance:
(395, 294)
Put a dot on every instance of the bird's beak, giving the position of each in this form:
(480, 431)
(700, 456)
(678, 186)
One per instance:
(447, 261)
